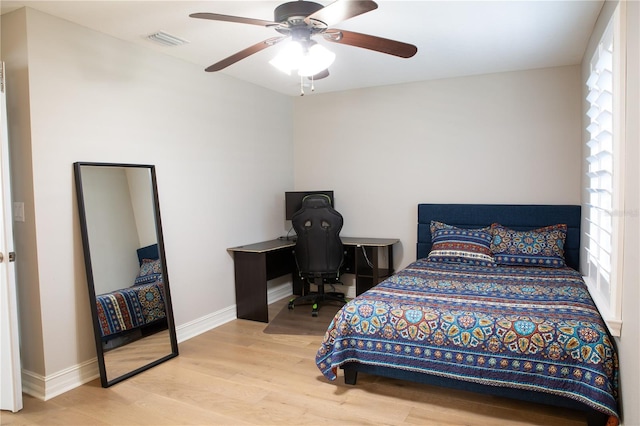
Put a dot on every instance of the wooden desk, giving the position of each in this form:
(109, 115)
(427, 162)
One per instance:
(255, 264)
(362, 259)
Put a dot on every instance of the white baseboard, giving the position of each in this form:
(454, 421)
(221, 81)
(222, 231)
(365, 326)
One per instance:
(205, 323)
(48, 387)
(278, 292)
(45, 388)
(223, 316)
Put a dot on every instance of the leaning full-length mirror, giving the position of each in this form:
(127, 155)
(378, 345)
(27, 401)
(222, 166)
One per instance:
(126, 268)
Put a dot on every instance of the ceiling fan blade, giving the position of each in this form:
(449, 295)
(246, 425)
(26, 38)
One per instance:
(244, 53)
(341, 10)
(229, 18)
(379, 44)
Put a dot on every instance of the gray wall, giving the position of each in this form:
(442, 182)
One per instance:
(499, 138)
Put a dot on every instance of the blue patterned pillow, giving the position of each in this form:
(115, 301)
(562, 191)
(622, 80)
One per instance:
(539, 247)
(150, 271)
(457, 245)
(435, 226)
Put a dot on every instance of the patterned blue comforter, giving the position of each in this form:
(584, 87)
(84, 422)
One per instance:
(528, 328)
(130, 308)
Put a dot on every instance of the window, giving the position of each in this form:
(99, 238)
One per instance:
(604, 203)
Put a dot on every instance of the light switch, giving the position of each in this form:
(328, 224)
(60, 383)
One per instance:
(18, 211)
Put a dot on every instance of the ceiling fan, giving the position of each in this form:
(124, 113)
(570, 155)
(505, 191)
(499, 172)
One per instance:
(301, 21)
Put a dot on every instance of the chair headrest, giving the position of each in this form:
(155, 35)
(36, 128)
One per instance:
(315, 201)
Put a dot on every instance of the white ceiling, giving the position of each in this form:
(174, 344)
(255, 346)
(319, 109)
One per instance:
(454, 38)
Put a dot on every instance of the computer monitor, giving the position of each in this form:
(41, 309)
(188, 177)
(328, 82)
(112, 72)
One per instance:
(293, 200)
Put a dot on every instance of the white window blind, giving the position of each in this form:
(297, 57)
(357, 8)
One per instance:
(604, 203)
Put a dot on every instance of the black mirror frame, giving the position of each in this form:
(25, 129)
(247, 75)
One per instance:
(90, 280)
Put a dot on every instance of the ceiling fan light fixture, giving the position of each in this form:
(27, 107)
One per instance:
(289, 57)
(310, 61)
(317, 59)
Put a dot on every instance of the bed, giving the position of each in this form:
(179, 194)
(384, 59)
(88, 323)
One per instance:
(519, 324)
(136, 308)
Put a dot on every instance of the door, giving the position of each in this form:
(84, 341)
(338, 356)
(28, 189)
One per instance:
(10, 374)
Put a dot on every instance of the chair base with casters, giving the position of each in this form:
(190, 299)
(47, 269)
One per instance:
(316, 297)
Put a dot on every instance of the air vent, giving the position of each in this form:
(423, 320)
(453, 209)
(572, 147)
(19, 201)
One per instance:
(166, 39)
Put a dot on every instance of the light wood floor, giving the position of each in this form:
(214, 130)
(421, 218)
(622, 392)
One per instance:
(238, 375)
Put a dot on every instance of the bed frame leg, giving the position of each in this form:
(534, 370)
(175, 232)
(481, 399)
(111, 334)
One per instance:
(595, 418)
(350, 376)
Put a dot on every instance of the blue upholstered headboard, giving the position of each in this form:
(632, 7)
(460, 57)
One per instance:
(148, 252)
(518, 217)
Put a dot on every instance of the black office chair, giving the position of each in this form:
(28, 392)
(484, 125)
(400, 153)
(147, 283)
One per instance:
(318, 251)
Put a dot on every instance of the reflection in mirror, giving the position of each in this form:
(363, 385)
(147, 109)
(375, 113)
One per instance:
(126, 268)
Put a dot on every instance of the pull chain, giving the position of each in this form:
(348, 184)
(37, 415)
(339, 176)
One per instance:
(313, 86)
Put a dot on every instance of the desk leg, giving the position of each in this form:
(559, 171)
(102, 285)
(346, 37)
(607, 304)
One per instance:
(376, 266)
(251, 286)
